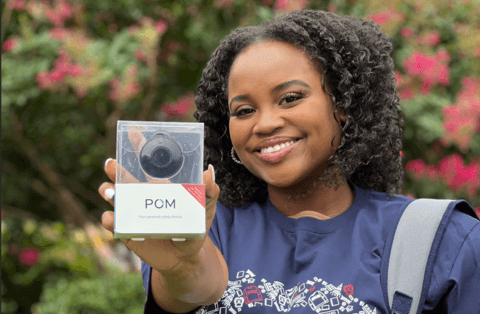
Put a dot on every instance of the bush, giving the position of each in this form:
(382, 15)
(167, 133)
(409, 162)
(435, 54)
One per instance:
(122, 294)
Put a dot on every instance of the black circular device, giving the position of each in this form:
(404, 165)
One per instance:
(161, 157)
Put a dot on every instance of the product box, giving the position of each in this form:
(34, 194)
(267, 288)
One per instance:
(159, 190)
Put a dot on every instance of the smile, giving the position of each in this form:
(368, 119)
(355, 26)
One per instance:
(276, 148)
(276, 152)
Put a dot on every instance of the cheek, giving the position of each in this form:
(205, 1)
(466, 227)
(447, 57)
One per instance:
(238, 134)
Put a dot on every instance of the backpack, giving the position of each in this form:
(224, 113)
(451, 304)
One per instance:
(406, 277)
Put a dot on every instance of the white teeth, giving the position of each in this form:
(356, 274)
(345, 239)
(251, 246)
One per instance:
(276, 148)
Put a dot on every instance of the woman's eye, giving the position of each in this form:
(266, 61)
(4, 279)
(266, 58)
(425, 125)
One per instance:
(293, 97)
(242, 112)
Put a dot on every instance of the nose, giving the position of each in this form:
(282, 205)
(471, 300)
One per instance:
(268, 121)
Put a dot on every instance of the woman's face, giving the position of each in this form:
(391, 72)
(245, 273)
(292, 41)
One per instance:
(277, 102)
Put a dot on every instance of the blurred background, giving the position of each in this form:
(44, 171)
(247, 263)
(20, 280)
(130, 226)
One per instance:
(71, 69)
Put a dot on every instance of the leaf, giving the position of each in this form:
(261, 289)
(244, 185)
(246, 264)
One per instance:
(264, 13)
(432, 127)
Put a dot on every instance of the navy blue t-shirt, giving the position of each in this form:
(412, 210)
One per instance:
(306, 265)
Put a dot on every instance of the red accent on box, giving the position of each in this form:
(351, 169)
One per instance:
(197, 191)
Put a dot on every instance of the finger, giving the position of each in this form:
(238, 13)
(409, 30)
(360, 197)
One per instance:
(212, 192)
(107, 195)
(211, 188)
(138, 141)
(108, 220)
(111, 171)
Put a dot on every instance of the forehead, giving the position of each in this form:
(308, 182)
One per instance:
(269, 60)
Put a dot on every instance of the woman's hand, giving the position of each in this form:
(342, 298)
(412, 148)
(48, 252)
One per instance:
(163, 254)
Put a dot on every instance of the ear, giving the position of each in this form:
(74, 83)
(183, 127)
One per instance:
(341, 115)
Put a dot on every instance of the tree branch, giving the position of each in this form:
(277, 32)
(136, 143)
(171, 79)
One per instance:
(6, 16)
(64, 198)
(15, 211)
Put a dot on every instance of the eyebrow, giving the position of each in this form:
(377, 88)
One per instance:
(274, 90)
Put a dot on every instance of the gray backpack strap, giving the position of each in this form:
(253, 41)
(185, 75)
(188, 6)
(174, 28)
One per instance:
(410, 251)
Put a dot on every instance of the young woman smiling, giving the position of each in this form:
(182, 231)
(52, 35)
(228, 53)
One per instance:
(303, 138)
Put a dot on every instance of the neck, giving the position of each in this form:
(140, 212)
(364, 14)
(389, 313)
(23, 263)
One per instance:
(322, 198)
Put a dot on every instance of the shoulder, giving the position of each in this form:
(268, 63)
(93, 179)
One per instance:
(457, 261)
(462, 234)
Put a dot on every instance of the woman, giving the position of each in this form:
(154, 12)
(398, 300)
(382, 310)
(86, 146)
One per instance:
(303, 129)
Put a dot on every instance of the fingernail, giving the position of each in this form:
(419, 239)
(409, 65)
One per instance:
(109, 193)
(213, 172)
(107, 161)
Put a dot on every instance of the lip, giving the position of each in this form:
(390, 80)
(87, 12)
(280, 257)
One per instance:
(277, 156)
(273, 141)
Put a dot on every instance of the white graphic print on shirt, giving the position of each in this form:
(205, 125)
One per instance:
(317, 294)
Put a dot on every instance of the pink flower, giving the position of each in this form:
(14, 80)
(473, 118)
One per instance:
(406, 32)
(281, 4)
(285, 6)
(43, 80)
(133, 88)
(29, 256)
(75, 70)
(10, 44)
(462, 120)
(57, 75)
(458, 126)
(430, 38)
(16, 4)
(53, 16)
(457, 176)
(418, 63)
(443, 55)
(429, 68)
(398, 78)
(133, 30)
(139, 54)
(332, 8)
(65, 10)
(468, 99)
(161, 27)
(132, 71)
(416, 167)
(145, 20)
(387, 16)
(182, 107)
(115, 86)
(58, 33)
(406, 94)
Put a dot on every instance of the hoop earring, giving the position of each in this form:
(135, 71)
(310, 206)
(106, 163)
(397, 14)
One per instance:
(235, 158)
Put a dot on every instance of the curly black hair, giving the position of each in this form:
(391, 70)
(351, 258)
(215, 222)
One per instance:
(354, 56)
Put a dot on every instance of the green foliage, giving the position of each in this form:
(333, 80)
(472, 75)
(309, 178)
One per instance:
(124, 293)
(62, 253)
(21, 68)
(423, 114)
